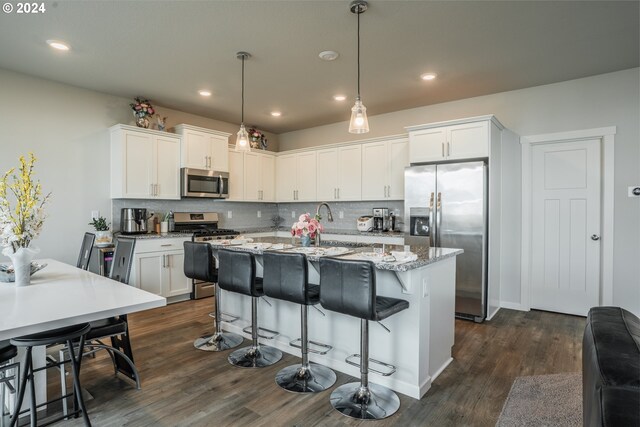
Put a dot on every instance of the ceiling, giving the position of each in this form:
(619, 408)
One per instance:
(168, 50)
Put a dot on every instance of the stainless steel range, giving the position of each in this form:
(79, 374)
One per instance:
(204, 226)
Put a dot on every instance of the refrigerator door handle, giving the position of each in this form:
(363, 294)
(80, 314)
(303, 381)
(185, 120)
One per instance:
(432, 237)
(438, 218)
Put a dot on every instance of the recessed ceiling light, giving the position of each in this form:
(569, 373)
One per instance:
(204, 92)
(276, 113)
(57, 44)
(328, 55)
(339, 97)
(428, 76)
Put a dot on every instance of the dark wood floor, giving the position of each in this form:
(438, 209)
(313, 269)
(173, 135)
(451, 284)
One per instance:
(182, 386)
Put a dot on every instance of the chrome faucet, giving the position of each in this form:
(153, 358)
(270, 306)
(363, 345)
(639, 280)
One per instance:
(329, 217)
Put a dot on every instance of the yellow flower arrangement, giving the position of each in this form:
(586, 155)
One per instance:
(21, 224)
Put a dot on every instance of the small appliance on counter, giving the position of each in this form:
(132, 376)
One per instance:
(365, 223)
(381, 220)
(133, 220)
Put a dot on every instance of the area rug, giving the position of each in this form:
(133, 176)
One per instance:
(544, 400)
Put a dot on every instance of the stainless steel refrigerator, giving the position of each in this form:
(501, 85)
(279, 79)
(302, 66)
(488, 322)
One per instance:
(446, 206)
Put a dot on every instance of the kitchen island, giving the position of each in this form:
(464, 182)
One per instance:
(419, 339)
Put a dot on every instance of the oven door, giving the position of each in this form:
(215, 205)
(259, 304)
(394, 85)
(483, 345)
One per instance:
(204, 183)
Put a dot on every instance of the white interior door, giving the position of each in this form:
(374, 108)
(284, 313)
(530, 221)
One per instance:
(565, 226)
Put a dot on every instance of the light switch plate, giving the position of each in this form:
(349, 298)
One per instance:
(341, 214)
(95, 214)
(634, 191)
(293, 214)
(229, 214)
(259, 214)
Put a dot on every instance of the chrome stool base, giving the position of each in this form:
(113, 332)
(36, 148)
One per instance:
(313, 379)
(218, 342)
(373, 403)
(255, 357)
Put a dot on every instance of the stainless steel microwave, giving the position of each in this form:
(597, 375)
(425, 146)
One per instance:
(204, 183)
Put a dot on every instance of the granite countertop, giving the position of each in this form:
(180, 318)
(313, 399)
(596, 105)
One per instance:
(158, 236)
(349, 232)
(425, 255)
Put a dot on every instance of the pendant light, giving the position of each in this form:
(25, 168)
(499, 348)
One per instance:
(358, 122)
(242, 141)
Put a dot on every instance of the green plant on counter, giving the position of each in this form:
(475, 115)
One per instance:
(100, 224)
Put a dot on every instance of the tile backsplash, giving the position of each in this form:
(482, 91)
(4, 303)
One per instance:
(245, 214)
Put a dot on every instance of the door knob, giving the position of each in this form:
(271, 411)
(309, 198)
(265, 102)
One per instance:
(595, 237)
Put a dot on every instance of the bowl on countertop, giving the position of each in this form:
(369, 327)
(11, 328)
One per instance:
(7, 274)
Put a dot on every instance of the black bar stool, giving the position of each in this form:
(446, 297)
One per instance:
(85, 251)
(199, 264)
(57, 336)
(349, 287)
(286, 277)
(237, 273)
(7, 353)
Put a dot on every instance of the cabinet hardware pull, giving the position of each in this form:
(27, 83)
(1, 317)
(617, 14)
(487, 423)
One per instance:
(164, 261)
(151, 189)
(167, 244)
(443, 149)
(338, 192)
(448, 150)
(334, 194)
(157, 189)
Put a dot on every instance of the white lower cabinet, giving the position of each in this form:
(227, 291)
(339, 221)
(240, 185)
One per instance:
(158, 267)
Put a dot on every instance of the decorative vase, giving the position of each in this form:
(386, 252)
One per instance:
(142, 122)
(21, 260)
(103, 238)
(305, 241)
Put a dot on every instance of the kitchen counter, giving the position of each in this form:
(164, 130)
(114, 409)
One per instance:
(418, 340)
(347, 232)
(171, 235)
(425, 255)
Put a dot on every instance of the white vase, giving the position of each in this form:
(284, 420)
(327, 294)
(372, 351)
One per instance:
(21, 260)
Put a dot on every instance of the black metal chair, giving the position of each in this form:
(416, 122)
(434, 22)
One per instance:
(237, 273)
(57, 336)
(85, 250)
(9, 374)
(199, 264)
(286, 277)
(349, 287)
(115, 328)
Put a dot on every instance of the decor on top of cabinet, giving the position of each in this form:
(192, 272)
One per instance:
(22, 223)
(162, 122)
(142, 110)
(257, 138)
(104, 237)
(306, 228)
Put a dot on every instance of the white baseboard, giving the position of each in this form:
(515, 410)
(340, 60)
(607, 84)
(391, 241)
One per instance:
(512, 306)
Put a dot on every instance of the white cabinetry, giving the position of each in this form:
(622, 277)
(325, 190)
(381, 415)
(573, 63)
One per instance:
(251, 176)
(145, 164)
(339, 173)
(383, 166)
(158, 267)
(296, 177)
(452, 140)
(204, 148)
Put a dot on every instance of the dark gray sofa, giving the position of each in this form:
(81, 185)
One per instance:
(611, 368)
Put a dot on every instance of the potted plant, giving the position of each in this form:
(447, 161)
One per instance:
(103, 234)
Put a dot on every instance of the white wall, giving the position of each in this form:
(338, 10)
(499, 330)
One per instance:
(66, 128)
(605, 100)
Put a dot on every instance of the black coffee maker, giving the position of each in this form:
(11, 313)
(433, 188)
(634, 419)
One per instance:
(381, 219)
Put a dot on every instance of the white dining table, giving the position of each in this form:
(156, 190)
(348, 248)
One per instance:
(63, 295)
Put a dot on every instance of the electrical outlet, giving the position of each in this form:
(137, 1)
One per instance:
(341, 214)
(229, 214)
(293, 214)
(634, 191)
(95, 214)
(259, 214)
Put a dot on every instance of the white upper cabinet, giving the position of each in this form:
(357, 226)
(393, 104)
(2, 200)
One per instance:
(452, 140)
(204, 148)
(145, 164)
(383, 166)
(339, 173)
(296, 177)
(251, 176)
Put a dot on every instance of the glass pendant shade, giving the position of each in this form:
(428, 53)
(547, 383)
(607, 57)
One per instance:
(242, 141)
(358, 122)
